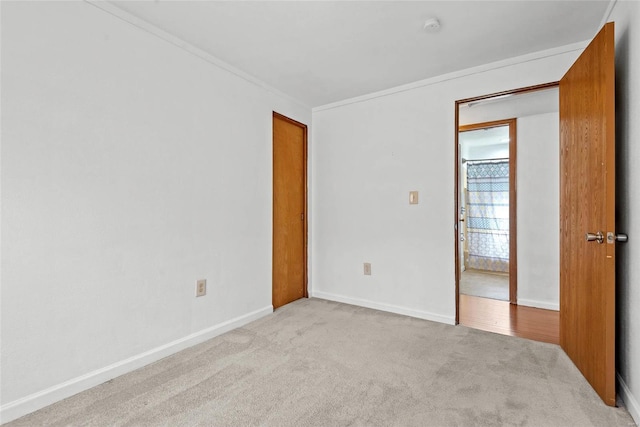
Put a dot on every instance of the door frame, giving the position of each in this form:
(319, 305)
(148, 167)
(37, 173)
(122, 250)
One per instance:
(513, 223)
(304, 128)
(512, 196)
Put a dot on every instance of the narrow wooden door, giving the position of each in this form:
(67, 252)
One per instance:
(289, 210)
(587, 205)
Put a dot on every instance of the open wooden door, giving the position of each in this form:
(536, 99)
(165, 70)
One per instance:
(587, 205)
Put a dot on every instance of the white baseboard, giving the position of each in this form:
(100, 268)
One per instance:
(38, 400)
(539, 304)
(629, 400)
(450, 320)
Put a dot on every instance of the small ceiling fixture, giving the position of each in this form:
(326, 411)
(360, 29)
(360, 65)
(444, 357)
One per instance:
(432, 25)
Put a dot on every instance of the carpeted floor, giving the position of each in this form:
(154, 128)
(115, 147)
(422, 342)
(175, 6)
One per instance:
(321, 363)
(486, 285)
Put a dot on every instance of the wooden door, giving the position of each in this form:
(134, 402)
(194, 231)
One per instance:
(587, 205)
(289, 281)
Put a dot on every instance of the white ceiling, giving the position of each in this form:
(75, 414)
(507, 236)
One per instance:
(319, 52)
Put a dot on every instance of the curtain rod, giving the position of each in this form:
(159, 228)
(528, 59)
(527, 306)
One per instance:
(485, 160)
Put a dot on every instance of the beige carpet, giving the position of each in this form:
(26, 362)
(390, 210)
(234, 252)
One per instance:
(320, 363)
(486, 285)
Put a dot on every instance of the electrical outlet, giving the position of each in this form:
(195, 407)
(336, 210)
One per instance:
(367, 269)
(201, 287)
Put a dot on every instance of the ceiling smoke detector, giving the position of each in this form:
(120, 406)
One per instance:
(432, 25)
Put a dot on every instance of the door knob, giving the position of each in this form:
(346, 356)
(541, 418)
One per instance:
(620, 237)
(597, 237)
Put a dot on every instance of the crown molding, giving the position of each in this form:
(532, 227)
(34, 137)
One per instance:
(579, 46)
(125, 16)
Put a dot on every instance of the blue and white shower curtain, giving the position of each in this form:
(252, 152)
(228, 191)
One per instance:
(488, 215)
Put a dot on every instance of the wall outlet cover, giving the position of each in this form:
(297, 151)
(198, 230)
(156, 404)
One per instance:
(367, 269)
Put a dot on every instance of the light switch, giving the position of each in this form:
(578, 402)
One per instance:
(201, 287)
(367, 269)
(413, 197)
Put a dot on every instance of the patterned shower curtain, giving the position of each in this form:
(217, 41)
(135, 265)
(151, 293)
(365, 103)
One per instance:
(488, 215)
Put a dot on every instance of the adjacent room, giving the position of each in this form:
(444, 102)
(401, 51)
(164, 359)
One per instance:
(484, 211)
(279, 213)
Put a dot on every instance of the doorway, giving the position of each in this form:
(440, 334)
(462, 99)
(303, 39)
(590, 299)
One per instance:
(526, 119)
(289, 252)
(487, 223)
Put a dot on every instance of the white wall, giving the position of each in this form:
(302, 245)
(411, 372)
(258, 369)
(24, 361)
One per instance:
(538, 207)
(626, 15)
(367, 155)
(479, 152)
(130, 168)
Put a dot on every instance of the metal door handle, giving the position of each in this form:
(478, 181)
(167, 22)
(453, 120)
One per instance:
(597, 237)
(620, 237)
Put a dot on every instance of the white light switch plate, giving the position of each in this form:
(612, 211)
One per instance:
(201, 287)
(413, 197)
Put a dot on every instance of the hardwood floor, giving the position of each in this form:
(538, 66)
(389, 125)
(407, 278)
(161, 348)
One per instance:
(507, 319)
(483, 284)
